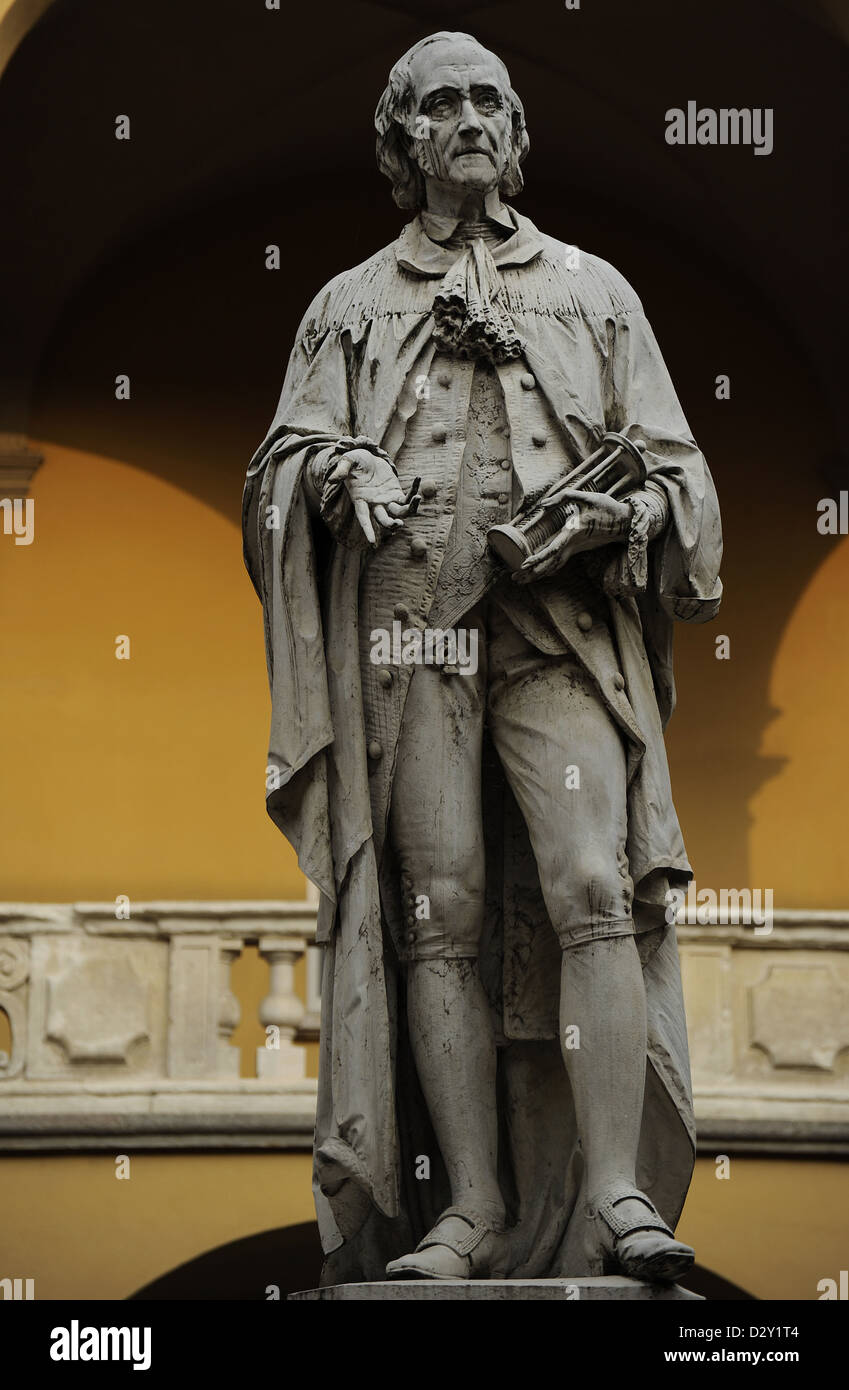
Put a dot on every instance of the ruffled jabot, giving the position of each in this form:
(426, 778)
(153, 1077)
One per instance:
(469, 320)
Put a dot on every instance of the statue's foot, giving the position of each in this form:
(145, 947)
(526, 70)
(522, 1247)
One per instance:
(632, 1237)
(458, 1247)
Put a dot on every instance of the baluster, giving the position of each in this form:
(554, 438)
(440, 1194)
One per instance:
(281, 1010)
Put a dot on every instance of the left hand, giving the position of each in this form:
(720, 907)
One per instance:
(596, 519)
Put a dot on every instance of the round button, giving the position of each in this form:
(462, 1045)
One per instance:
(439, 434)
(375, 750)
(428, 489)
(528, 381)
(505, 463)
(444, 378)
(411, 938)
(503, 498)
(401, 611)
(418, 547)
(585, 622)
(539, 438)
(619, 681)
(385, 677)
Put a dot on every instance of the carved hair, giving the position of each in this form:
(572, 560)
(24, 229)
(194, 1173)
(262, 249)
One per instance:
(394, 142)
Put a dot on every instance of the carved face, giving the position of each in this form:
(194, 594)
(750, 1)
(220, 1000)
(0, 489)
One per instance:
(462, 118)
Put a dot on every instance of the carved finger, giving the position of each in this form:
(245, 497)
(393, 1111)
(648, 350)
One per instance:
(361, 512)
(546, 567)
(531, 569)
(405, 508)
(383, 518)
(561, 493)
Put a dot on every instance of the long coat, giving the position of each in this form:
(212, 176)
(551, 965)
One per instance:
(366, 338)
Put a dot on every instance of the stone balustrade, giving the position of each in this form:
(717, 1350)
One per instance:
(121, 1028)
(121, 1025)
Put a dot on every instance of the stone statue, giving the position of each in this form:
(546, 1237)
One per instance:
(469, 756)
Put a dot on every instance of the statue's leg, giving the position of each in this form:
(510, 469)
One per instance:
(544, 723)
(565, 760)
(436, 826)
(603, 1038)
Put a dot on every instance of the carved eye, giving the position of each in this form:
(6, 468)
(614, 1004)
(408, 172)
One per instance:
(488, 103)
(442, 107)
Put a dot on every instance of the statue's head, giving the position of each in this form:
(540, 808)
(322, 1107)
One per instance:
(450, 114)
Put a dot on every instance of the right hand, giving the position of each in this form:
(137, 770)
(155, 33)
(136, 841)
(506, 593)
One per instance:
(375, 492)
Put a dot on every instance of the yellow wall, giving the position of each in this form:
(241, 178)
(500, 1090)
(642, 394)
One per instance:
(71, 1225)
(145, 776)
(775, 1227)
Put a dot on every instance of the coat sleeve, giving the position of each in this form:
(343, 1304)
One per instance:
(642, 404)
(312, 415)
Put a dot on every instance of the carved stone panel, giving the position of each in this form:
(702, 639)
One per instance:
(98, 1007)
(799, 1015)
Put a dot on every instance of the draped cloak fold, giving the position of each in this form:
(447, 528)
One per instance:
(364, 343)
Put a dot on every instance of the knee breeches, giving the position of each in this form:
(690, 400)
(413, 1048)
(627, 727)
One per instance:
(564, 759)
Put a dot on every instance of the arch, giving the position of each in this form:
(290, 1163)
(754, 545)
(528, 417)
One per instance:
(286, 1259)
(17, 17)
(797, 849)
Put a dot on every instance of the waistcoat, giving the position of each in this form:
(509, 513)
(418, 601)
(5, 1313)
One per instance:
(484, 442)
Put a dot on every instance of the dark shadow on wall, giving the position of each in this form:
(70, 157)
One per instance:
(227, 99)
(289, 1259)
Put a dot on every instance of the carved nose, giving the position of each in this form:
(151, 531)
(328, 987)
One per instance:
(469, 119)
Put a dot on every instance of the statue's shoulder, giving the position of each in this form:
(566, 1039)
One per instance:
(597, 287)
(343, 300)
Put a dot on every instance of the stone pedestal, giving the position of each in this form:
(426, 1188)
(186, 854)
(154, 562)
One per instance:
(610, 1287)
